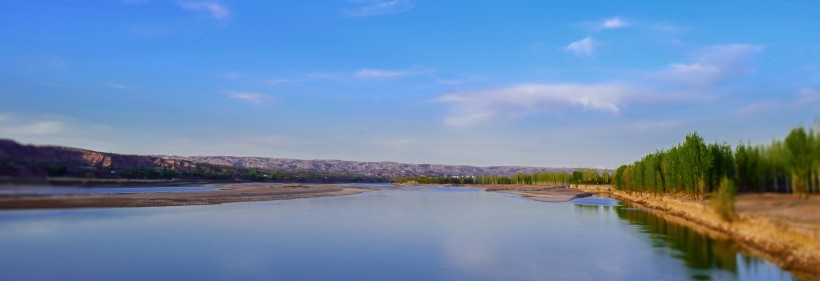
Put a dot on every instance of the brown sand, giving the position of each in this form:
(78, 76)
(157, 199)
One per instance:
(533, 192)
(539, 193)
(236, 192)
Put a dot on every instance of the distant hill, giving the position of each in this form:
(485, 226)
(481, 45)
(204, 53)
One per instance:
(37, 161)
(19, 161)
(32, 162)
(374, 169)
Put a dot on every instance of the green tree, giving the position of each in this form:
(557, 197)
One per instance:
(697, 160)
(800, 159)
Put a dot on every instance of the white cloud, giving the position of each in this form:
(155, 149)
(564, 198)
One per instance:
(583, 47)
(378, 73)
(714, 65)
(252, 98)
(481, 106)
(217, 11)
(367, 8)
(614, 23)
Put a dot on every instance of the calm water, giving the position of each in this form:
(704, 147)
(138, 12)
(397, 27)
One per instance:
(98, 190)
(433, 234)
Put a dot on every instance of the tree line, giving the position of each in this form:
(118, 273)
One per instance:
(696, 168)
(580, 176)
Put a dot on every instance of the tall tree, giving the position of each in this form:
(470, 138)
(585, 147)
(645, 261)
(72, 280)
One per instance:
(800, 158)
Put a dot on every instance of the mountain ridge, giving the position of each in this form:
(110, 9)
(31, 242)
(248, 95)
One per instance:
(27, 160)
(381, 168)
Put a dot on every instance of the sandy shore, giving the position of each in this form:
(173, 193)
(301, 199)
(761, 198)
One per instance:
(781, 227)
(533, 192)
(539, 193)
(234, 192)
(245, 192)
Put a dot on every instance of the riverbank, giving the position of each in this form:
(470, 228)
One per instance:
(533, 192)
(539, 193)
(782, 227)
(229, 192)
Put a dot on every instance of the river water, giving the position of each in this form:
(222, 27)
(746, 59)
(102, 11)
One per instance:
(393, 234)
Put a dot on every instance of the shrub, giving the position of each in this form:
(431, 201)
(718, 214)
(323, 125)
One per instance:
(723, 200)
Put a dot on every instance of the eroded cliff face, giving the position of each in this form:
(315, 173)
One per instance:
(25, 161)
(97, 159)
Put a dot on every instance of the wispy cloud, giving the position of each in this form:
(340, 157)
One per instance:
(666, 27)
(808, 95)
(9, 128)
(366, 73)
(276, 81)
(583, 47)
(480, 106)
(216, 10)
(134, 2)
(714, 65)
(117, 86)
(368, 8)
(231, 75)
(445, 81)
(653, 125)
(613, 23)
(804, 99)
(252, 98)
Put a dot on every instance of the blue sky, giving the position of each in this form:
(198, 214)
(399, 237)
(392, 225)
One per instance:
(540, 83)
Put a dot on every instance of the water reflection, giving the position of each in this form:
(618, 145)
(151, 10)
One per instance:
(707, 257)
(591, 210)
(395, 234)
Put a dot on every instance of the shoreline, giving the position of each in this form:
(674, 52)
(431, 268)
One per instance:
(538, 193)
(229, 193)
(239, 192)
(790, 242)
(533, 192)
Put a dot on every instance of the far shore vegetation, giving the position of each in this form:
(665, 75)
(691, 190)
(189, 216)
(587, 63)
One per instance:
(693, 168)
(582, 176)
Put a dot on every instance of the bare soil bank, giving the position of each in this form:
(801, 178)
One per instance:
(233, 192)
(782, 227)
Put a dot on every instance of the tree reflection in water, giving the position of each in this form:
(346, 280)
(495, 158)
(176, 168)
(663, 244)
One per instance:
(709, 257)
